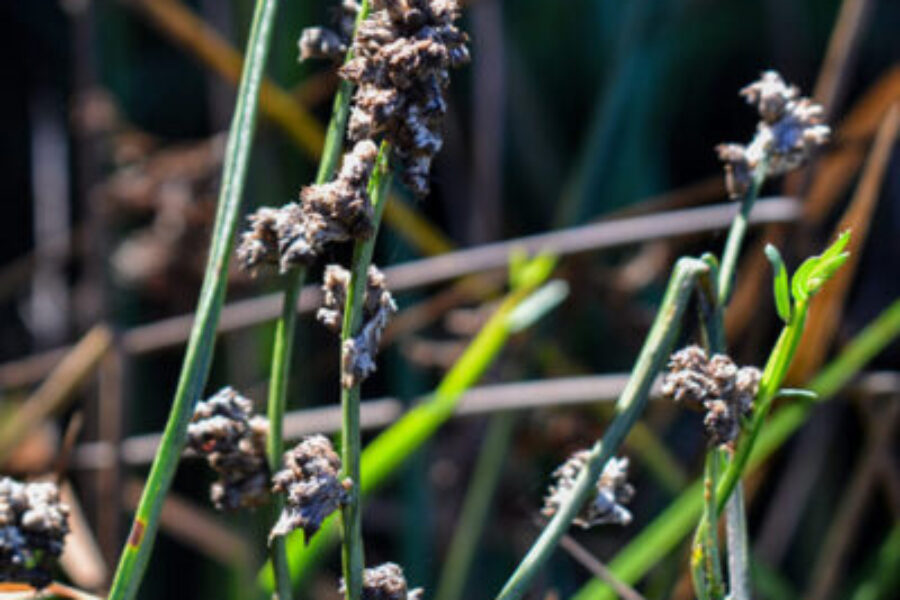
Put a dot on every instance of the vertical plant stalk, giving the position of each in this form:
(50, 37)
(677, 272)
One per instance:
(705, 564)
(198, 356)
(282, 347)
(736, 543)
(629, 407)
(737, 232)
(352, 555)
(475, 508)
(282, 351)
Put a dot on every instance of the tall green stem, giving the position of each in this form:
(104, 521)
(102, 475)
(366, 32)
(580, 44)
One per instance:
(351, 515)
(628, 408)
(737, 232)
(282, 350)
(282, 347)
(198, 356)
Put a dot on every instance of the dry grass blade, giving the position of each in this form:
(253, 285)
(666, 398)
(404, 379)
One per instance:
(851, 22)
(824, 316)
(52, 395)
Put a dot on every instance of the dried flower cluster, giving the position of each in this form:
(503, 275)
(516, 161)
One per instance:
(296, 234)
(716, 385)
(386, 582)
(358, 353)
(33, 525)
(790, 129)
(311, 481)
(402, 53)
(233, 440)
(611, 493)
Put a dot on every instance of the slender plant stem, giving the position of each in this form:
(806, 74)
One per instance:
(282, 347)
(282, 351)
(629, 407)
(198, 357)
(475, 508)
(705, 565)
(351, 515)
(736, 543)
(773, 375)
(737, 232)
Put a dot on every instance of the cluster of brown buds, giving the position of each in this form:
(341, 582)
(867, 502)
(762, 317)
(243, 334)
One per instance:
(789, 130)
(386, 582)
(715, 385)
(358, 353)
(296, 234)
(611, 492)
(233, 440)
(402, 54)
(33, 526)
(312, 485)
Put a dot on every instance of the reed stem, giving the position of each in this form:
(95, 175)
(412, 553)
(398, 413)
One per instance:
(629, 407)
(352, 555)
(198, 356)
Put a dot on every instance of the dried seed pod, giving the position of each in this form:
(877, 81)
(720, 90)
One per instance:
(402, 54)
(790, 129)
(611, 492)
(311, 481)
(357, 353)
(233, 440)
(716, 385)
(296, 234)
(385, 582)
(33, 526)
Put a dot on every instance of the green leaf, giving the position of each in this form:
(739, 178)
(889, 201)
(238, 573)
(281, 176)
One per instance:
(532, 308)
(780, 284)
(817, 270)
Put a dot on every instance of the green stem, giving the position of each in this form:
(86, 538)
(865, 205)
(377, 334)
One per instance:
(628, 408)
(282, 348)
(282, 351)
(351, 515)
(772, 378)
(705, 565)
(198, 356)
(475, 509)
(737, 232)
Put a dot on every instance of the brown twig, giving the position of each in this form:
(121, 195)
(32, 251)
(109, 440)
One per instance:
(52, 395)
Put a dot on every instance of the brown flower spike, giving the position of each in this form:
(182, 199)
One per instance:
(358, 353)
(295, 234)
(33, 526)
(611, 492)
(233, 440)
(402, 54)
(386, 582)
(713, 384)
(789, 130)
(312, 484)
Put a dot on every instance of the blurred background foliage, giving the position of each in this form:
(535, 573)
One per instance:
(570, 112)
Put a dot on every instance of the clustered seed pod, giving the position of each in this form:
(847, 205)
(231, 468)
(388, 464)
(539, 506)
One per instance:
(790, 129)
(296, 234)
(715, 385)
(402, 53)
(357, 353)
(385, 582)
(611, 492)
(311, 481)
(33, 526)
(233, 440)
